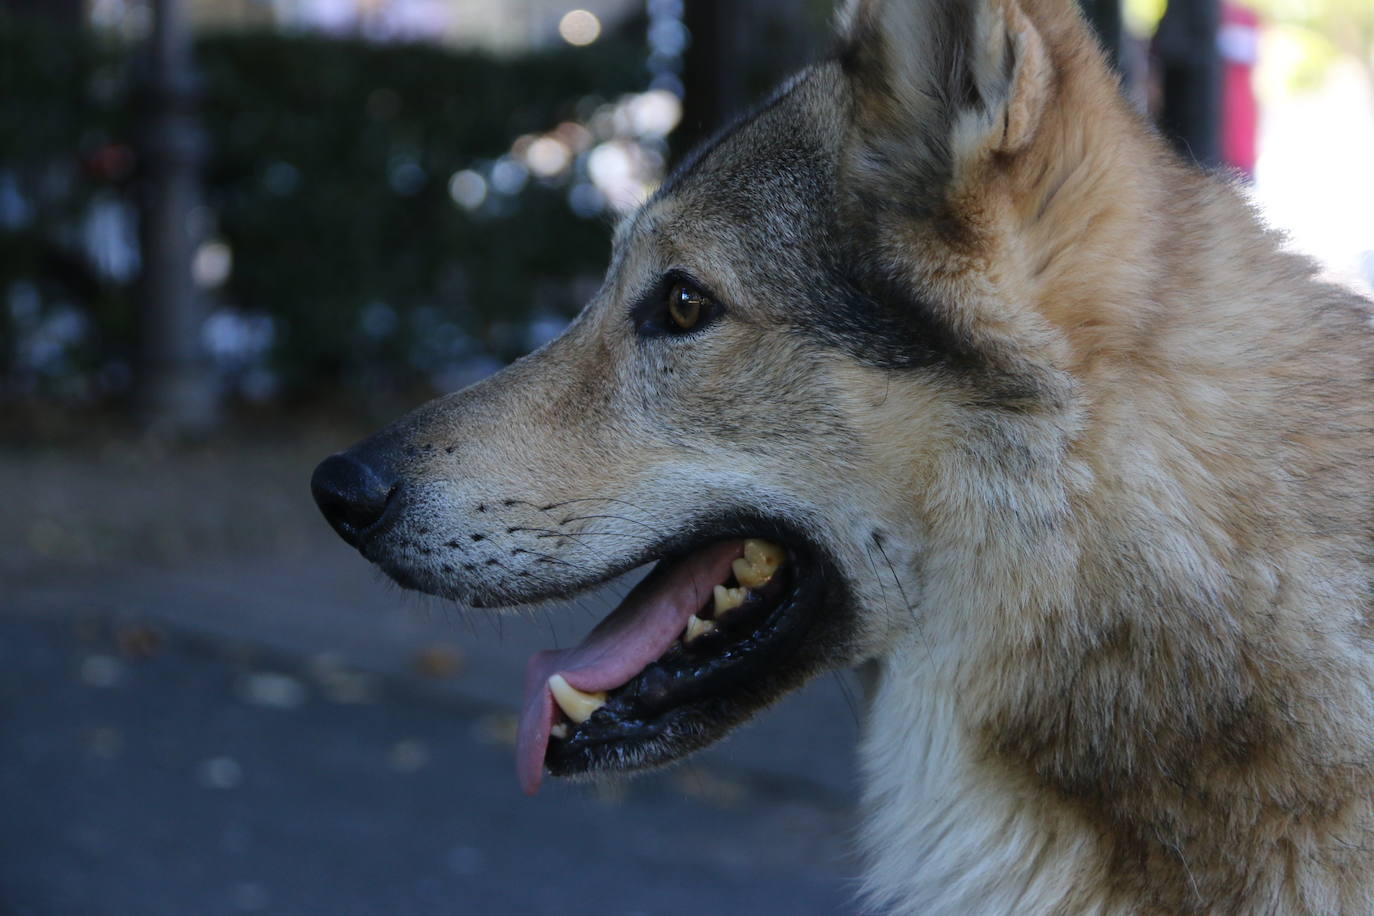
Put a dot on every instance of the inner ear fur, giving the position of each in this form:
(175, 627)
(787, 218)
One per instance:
(942, 85)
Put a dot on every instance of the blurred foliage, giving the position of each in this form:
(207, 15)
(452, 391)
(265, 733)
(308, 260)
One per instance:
(62, 98)
(1317, 33)
(1298, 60)
(1347, 24)
(327, 176)
(1141, 17)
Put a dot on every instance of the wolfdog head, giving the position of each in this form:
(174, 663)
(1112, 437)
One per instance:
(824, 352)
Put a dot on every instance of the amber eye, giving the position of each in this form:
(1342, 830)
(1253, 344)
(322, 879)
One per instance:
(685, 306)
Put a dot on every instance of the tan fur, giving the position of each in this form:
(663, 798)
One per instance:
(1117, 594)
(1187, 690)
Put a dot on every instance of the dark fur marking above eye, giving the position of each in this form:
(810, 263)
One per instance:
(477, 537)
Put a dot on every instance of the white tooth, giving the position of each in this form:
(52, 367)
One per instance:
(575, 704)
(697, 627)
(559, 730)
(727, 599)
(761, 559)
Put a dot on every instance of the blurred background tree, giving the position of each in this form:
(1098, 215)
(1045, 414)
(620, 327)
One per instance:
(378, 215)
(400, 197)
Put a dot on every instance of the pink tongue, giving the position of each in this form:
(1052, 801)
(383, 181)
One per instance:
(636, 633)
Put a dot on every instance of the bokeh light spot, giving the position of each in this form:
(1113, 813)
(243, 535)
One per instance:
(547, 157)
(579, 27)
(655, 113)
(508, 176)
(468, 189)
(212, 264)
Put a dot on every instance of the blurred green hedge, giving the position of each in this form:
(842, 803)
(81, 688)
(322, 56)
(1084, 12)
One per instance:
(327, 177)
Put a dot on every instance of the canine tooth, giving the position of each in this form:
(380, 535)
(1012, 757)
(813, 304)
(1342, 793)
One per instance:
(559, 730)
(697, 627)
(727, 599)
(575, 704)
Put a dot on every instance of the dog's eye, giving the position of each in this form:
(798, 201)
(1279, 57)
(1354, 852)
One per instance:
(675, 307)
(686, 306)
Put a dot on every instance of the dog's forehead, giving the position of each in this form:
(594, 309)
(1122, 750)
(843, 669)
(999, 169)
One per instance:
(760, 184)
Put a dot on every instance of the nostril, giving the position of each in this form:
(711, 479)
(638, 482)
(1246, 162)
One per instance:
(352, 496)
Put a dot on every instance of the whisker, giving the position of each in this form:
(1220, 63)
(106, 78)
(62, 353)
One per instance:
(553, 634)
(920, 630)
(591, 499)
(553, 559)
(545, 532)
(848, 697)
(605, 534)
(619, 518)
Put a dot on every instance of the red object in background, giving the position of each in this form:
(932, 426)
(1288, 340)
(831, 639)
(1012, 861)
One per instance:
(109, 162)
(1238, 45)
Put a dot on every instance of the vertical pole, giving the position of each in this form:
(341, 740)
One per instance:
(1105, 16)
(710, 78)
(1186, 44)
(175, 389)
(738, 54)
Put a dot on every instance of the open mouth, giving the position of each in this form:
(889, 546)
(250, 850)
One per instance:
(707, 638)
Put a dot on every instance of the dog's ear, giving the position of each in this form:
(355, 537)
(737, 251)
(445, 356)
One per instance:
(940, 85)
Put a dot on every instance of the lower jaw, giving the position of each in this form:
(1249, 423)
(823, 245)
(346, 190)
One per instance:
(678, 705)
(637, 747)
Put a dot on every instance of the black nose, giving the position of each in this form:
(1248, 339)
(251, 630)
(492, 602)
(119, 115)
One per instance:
(351, 494)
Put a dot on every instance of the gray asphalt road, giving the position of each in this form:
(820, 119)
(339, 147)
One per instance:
(208, 704)
(197, 782)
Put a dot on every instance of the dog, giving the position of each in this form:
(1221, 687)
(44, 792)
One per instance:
(941, 363)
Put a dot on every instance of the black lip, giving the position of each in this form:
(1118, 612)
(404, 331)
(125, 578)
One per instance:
(690, 697)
